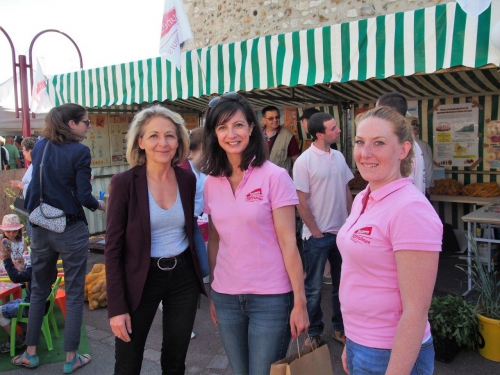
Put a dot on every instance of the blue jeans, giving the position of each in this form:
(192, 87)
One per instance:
(254, 329)
(316, 251)
(362, 360)
(10, 309)
(201, 250)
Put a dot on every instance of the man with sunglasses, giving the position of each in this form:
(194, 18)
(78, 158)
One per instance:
(283, 147)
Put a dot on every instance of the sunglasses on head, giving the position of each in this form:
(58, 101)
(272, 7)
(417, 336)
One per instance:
(230, 95)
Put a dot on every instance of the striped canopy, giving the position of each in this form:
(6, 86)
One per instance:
(349, 62)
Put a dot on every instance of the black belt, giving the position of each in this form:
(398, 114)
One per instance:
(169, 263)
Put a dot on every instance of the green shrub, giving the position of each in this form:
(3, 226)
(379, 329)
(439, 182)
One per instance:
(452, 318)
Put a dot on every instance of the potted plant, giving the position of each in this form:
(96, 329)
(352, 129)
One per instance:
(453, 326)
(486, 284)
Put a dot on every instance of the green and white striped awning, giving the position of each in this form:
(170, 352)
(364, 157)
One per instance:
(349, 62)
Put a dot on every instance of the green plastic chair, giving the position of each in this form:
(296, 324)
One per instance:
(49, 315)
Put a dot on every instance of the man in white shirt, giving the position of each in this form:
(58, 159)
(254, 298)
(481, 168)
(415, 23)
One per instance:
(427, 153)
(320, 176)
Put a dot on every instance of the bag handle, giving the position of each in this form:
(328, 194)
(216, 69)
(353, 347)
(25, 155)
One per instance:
(41, 170)
(314, 347)
(41, 188)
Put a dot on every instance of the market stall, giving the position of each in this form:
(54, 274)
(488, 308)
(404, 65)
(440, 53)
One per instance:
(436, 55)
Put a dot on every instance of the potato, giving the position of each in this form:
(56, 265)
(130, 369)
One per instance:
(102, 297)
(95, 287)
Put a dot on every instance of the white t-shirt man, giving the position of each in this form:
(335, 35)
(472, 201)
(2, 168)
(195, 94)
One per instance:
(324, 176)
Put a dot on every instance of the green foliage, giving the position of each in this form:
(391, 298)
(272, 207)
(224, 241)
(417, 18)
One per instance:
(485, 283)
(454, 319)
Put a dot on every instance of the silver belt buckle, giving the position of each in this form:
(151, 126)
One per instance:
(167, 268)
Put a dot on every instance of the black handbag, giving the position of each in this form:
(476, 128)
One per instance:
(19, 207)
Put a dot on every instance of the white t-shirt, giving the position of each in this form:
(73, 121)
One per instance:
(428, 161)
(324, 177)
(418, 173)
(200, 182)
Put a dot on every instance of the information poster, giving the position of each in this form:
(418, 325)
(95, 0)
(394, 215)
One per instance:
(455, 129)
(97, 140)
(118, 128)
(492, 144)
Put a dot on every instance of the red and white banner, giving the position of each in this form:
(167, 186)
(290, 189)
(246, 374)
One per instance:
(175, 29)
(40, 100)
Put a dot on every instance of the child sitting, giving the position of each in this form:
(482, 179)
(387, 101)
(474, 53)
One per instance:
(12, 247)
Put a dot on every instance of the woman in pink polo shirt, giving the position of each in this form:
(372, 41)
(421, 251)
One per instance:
(257, 298)
(390, 247)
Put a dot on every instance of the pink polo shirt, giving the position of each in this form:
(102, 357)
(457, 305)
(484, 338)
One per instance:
(249, 260)
(397, 216)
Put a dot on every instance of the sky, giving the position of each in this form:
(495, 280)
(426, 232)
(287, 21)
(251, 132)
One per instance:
(106, 31)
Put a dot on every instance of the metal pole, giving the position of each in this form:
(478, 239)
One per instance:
(14, 73)
(23, 80)
(30, 51)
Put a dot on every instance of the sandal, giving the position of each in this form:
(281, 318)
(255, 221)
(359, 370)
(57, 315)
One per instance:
(18, 360)
(68, 366)
(5, 348)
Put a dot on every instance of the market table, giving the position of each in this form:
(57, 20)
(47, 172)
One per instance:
(8, 289)
(489, 215)
(475, 201)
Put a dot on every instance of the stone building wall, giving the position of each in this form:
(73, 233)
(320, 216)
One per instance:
(225, 21)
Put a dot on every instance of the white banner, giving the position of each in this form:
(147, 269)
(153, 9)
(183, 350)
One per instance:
(175, 29)
(40, 100)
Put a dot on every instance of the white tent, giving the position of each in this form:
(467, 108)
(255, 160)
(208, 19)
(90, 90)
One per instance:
(9, 124)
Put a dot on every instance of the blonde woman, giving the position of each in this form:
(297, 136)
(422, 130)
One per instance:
(150, 255)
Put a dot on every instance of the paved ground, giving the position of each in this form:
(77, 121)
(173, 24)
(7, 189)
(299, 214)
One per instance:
(206, 355)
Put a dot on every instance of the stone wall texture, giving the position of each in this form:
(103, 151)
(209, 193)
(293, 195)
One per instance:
(225, 21)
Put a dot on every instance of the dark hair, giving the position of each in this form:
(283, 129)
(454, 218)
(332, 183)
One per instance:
(316, 123)
(18, 140)
(195, 139)
(395, 101)
(29, 143)
(57, 128)
(214, 157)
(137, 156)
(401, 128)
(269, 108)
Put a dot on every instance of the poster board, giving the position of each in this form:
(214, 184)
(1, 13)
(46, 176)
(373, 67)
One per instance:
(492, 144)
(455, 133)
(118, 128)
(97, 140)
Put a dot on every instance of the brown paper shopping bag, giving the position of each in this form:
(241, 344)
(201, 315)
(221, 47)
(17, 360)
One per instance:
(308, 361)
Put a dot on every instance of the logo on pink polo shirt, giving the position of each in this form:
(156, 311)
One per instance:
(362, 235)
(254, 196)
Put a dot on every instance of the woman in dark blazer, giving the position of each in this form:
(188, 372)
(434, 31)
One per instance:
(150, 254)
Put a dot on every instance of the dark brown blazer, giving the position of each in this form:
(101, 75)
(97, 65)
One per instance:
(128, 236)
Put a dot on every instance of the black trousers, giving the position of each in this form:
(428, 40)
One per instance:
(179, 290)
